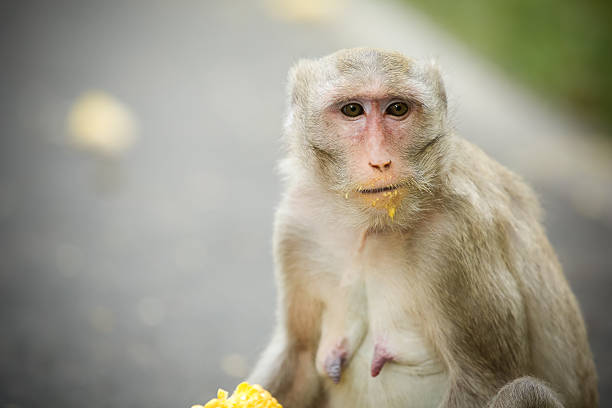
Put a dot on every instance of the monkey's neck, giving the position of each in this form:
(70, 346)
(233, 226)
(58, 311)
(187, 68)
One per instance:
(362, 240)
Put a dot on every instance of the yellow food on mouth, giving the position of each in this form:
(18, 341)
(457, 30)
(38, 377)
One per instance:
(388, 199)
(245, 396)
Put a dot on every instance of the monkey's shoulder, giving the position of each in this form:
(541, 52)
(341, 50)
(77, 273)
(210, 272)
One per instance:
(485, 187)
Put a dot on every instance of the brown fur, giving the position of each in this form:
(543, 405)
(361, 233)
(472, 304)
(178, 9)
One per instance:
(481, 280)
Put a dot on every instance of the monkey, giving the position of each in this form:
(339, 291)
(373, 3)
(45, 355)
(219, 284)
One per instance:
(412, 269)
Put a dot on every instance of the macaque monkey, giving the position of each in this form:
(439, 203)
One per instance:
(412, 269)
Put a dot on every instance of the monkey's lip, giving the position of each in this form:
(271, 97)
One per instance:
(379, 189)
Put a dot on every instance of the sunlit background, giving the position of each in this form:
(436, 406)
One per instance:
(138, 184)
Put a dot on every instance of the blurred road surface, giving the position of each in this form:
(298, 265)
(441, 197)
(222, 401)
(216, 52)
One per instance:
(145, 278)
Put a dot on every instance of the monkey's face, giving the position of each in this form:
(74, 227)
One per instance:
(371, 131)
(368, 119)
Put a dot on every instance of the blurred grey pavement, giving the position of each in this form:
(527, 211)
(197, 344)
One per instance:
(145, 278)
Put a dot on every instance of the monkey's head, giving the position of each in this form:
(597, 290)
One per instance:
(367, 125)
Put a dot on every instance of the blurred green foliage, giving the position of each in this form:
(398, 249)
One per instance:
(561, 48)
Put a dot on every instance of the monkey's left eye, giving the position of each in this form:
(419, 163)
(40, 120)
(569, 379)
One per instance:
(397, 109)
(352, 110)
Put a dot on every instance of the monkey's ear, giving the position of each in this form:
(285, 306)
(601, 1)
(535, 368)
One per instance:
(299, 82)
(434, 78)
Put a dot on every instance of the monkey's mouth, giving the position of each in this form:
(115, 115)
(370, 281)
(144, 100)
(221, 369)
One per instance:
(379, 189)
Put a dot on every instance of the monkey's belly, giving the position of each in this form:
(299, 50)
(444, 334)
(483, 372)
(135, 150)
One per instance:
(405, 384)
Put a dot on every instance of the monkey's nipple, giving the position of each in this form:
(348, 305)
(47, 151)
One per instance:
(380, 358)
(334, 363)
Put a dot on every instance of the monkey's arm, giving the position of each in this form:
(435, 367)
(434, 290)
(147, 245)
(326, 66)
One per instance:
(487, 355)
(480, 326)
(287, 366)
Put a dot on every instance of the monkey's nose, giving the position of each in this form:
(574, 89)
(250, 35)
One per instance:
(381, 166)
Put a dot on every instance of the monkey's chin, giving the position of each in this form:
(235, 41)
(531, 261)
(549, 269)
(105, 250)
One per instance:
(382, 199)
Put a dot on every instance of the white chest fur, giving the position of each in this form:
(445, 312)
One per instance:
(372, 351)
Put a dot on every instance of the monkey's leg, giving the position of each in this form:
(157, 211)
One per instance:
(525, 392)
(288, 373)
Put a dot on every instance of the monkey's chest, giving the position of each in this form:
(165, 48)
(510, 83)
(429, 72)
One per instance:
(379, 362)
(372, 351)
(399, 384)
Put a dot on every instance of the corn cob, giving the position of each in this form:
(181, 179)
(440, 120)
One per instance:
(245, 396)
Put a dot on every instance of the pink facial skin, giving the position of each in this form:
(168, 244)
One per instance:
(373, 138)
(381, 356)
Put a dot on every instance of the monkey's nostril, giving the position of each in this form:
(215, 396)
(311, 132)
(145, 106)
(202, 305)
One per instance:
(381, 166)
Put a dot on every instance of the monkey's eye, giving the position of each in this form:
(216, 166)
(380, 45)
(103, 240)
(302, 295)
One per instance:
(397, 109)
(352, 110)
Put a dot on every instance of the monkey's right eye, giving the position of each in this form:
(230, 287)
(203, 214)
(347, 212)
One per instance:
(352, 110)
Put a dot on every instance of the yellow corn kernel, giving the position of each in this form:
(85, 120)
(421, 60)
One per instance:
(245, 396)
